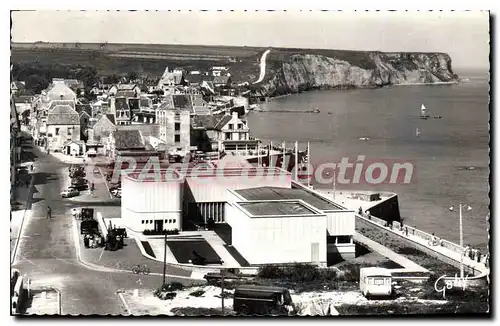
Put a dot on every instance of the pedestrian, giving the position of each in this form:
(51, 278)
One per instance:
(360, 211)
(466, 250)
(478, 256)
(49, 212)
(433, 239)
(406, 230)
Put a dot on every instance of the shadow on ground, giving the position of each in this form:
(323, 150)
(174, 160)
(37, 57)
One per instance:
(42, 178)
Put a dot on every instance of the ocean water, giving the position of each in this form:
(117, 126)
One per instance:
(389, 117)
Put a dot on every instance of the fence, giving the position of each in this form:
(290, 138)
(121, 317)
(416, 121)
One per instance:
(415, 244)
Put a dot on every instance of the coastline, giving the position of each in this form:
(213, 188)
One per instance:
(270, 98)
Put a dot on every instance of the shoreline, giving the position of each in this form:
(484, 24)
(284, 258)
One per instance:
(269, 98)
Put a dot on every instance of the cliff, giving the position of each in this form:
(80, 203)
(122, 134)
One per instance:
(290, 72)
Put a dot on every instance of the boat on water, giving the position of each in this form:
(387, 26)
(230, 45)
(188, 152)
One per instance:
(417, 132)
(423, 113)
(316, 110)
(364, 138)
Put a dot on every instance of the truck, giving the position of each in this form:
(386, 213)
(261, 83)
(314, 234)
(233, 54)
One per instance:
(262, 300)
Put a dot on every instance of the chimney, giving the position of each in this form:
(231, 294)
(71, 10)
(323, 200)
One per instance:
(235, 115)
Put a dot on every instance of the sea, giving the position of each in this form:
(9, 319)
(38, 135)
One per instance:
(450, 156)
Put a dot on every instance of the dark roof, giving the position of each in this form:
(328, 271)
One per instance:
(181, 101)
(277, 208)
(111, 117)
(221, 80)
(277, 193)
(222, 122)
(63, 115)
(62, 102)
(84, 107)
(195, 79)
(207, 121)
(121, 104)
(128, 139)
(146, 130)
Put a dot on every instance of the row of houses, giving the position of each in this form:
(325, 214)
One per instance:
(176, 123)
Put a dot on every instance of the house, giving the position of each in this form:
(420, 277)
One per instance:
(103, 127)
(60, 91)
(101, 107)
(121, 108)
(129, 141)
(17, 86)
(145, 103)
(218, 71)
(74, 148)
(63, 124)
(226, 132)
(175, 124)
(132, 88)
(171, 78)
(222, 81)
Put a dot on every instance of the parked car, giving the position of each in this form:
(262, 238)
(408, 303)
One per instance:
(69, 193)
(80, 186)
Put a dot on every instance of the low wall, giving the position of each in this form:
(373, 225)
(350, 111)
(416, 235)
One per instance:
(429, 251)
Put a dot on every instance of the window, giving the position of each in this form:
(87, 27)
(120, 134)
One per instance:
(142, 222)
(177, 126)
(69, 131)
(57, 131)
(230, 126)
(174, 220)
(228, 136)
(240, 126)
(150, 221)
(177, 138)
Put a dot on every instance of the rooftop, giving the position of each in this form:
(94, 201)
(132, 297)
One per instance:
(278, 193)
(276, 208)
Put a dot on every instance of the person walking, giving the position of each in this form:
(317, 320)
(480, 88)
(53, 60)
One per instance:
(49, 212)
(406, 230)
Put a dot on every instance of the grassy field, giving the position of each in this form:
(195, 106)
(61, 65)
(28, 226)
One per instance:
(151, 59)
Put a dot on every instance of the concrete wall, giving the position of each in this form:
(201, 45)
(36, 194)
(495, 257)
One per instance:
(56, 142)
(340, 222)
(144, 202)
(167, 120)
(277, 240)
(214, 188)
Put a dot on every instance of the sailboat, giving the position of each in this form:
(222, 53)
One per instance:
(423, 113)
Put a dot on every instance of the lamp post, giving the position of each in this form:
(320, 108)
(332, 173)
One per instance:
(164, 259)
(461, 238)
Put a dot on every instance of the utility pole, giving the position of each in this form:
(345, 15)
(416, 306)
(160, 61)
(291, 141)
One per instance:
(164, 259)
(334, 183)
(461, 244)
(223, 272)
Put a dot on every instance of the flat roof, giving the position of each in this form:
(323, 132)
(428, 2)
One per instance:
(276, 208)
(280, 193)
(150, 176)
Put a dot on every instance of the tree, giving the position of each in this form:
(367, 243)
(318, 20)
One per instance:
(131, 76)
(36, 83)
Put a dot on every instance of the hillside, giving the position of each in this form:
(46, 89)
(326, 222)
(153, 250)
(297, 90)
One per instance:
(287, 70)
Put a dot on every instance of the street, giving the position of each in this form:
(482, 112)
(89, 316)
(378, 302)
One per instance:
(48, 255)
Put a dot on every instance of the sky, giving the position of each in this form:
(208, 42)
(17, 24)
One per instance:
(463, 35)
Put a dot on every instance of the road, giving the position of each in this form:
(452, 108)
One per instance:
(262, 66)
(47, 251)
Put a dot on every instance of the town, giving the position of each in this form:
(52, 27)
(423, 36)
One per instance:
(88, 240)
